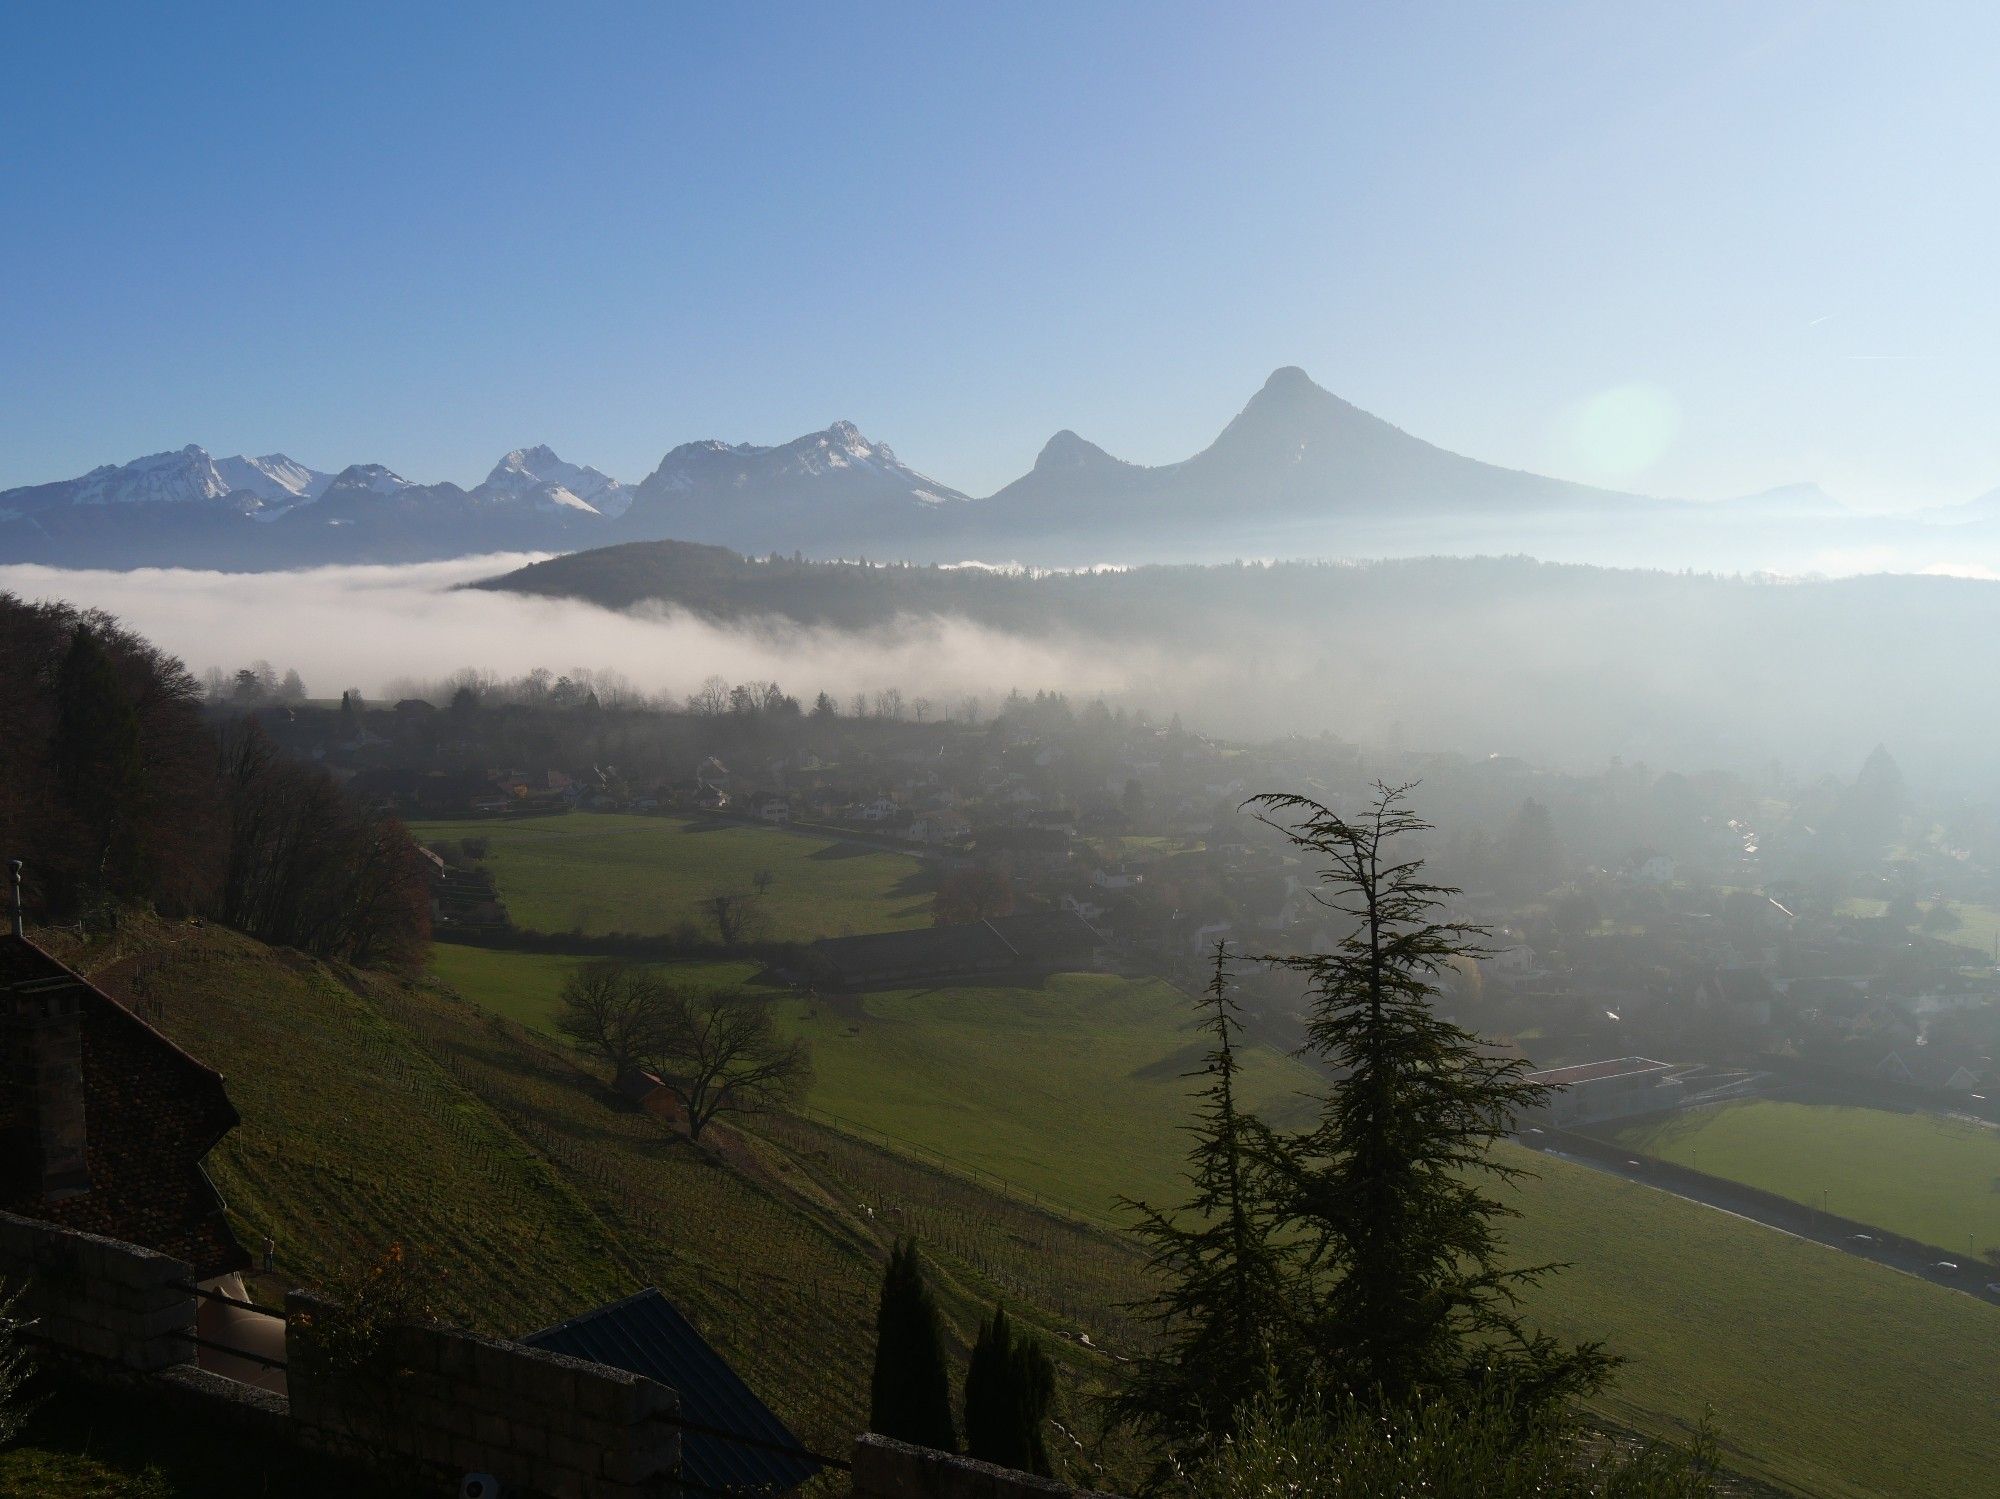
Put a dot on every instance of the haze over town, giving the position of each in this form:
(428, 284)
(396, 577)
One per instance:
(1174, 751)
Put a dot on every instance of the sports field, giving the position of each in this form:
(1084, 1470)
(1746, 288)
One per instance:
(602, 872)
(1919, 1175)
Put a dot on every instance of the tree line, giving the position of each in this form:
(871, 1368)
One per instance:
(114, 788)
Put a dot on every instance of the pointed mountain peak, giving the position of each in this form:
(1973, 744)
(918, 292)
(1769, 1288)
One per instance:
(1067, 450)
(1289, 377)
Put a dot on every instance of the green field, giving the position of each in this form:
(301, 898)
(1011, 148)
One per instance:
(524, 986)
(1073, 1089)
(1825, 1373)
(1918, 1175)
(600, 872)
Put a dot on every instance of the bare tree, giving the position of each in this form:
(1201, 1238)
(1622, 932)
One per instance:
(616, 1012)
(722, 1054)
(889, 703)
(711, 699)
(921, 707)
(762, 881)
(738, 915)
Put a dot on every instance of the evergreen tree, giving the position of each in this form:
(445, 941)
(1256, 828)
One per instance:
(1391, 1188)
(1009, 1385)
(1226, 1310)
(910, 1395)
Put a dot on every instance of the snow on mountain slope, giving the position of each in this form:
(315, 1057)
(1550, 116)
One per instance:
(273, 478)
(558, 484)
(159, 478)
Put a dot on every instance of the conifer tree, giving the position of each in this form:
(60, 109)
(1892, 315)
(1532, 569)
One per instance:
(910, 1394)
(1226, 1308)
(1009, 1385)
(1392, 1187)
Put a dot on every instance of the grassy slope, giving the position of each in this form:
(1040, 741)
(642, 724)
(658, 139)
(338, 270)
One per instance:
(1824, 1372)
(377, 1111)
(1913, 1174)
(603, 872)
(1080, 1091)
(524, 986)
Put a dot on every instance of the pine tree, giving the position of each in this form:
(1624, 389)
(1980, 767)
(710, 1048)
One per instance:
(910, 1395)
(1392, 1186)
(1226, 1310)
(1009, 1385)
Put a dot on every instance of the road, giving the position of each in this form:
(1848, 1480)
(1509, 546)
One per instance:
(1955, 1271)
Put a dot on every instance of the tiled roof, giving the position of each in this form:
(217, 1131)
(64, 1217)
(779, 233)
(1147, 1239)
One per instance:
(646, 1335)
(151, 1113)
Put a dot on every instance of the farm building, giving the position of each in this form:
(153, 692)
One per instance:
(1033, 942)
(1591, 1092)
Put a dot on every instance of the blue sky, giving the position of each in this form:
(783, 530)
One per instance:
(1690, 249)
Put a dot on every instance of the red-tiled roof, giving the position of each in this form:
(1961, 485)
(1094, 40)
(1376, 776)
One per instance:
(152, 1112)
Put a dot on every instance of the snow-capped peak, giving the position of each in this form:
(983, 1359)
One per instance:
(528, 470)
(370, 477)
(159, 478)
(274, 478)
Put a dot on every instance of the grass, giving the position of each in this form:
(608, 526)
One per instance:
(600, 872)
(525, 986)
(1072, 1090)
(377, 1111)
(1825, 1373)
(1925, 1177)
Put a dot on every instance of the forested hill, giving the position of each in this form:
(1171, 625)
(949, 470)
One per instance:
(1559, 662)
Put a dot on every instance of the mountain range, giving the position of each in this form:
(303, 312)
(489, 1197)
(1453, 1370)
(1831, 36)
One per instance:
(1298, 472)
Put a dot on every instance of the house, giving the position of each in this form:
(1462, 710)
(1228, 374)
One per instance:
(1116, 877)
(104, 1125)
(646, 1335)
(1594, 1091)
(104, 1122)
(1929, 1067)
(649, 1093)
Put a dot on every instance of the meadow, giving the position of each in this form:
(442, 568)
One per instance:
(1073, 1089)
(1919, 1175)
(377, 1111)
(526, 987)
(602, 872)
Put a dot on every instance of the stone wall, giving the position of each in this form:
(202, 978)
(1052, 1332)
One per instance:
(888, 1469)
(97, 1299)
(455, 1403)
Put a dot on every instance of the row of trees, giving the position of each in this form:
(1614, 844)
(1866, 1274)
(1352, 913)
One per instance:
(1009, 1379)
(116, 789)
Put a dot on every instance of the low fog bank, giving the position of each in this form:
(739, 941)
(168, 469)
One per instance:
(376, 627)
(1563, 666)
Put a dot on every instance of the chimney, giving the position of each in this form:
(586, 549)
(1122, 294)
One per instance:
(42, 1124)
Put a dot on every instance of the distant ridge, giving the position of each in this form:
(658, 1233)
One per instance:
(1297, 472)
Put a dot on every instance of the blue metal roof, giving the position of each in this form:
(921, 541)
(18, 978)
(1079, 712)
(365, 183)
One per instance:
(646, 1335)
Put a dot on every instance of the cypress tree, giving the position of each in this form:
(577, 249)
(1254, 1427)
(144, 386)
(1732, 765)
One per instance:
(1009, 1386)
(1227, 1310)
(1392, 1187)
(910, 1394)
